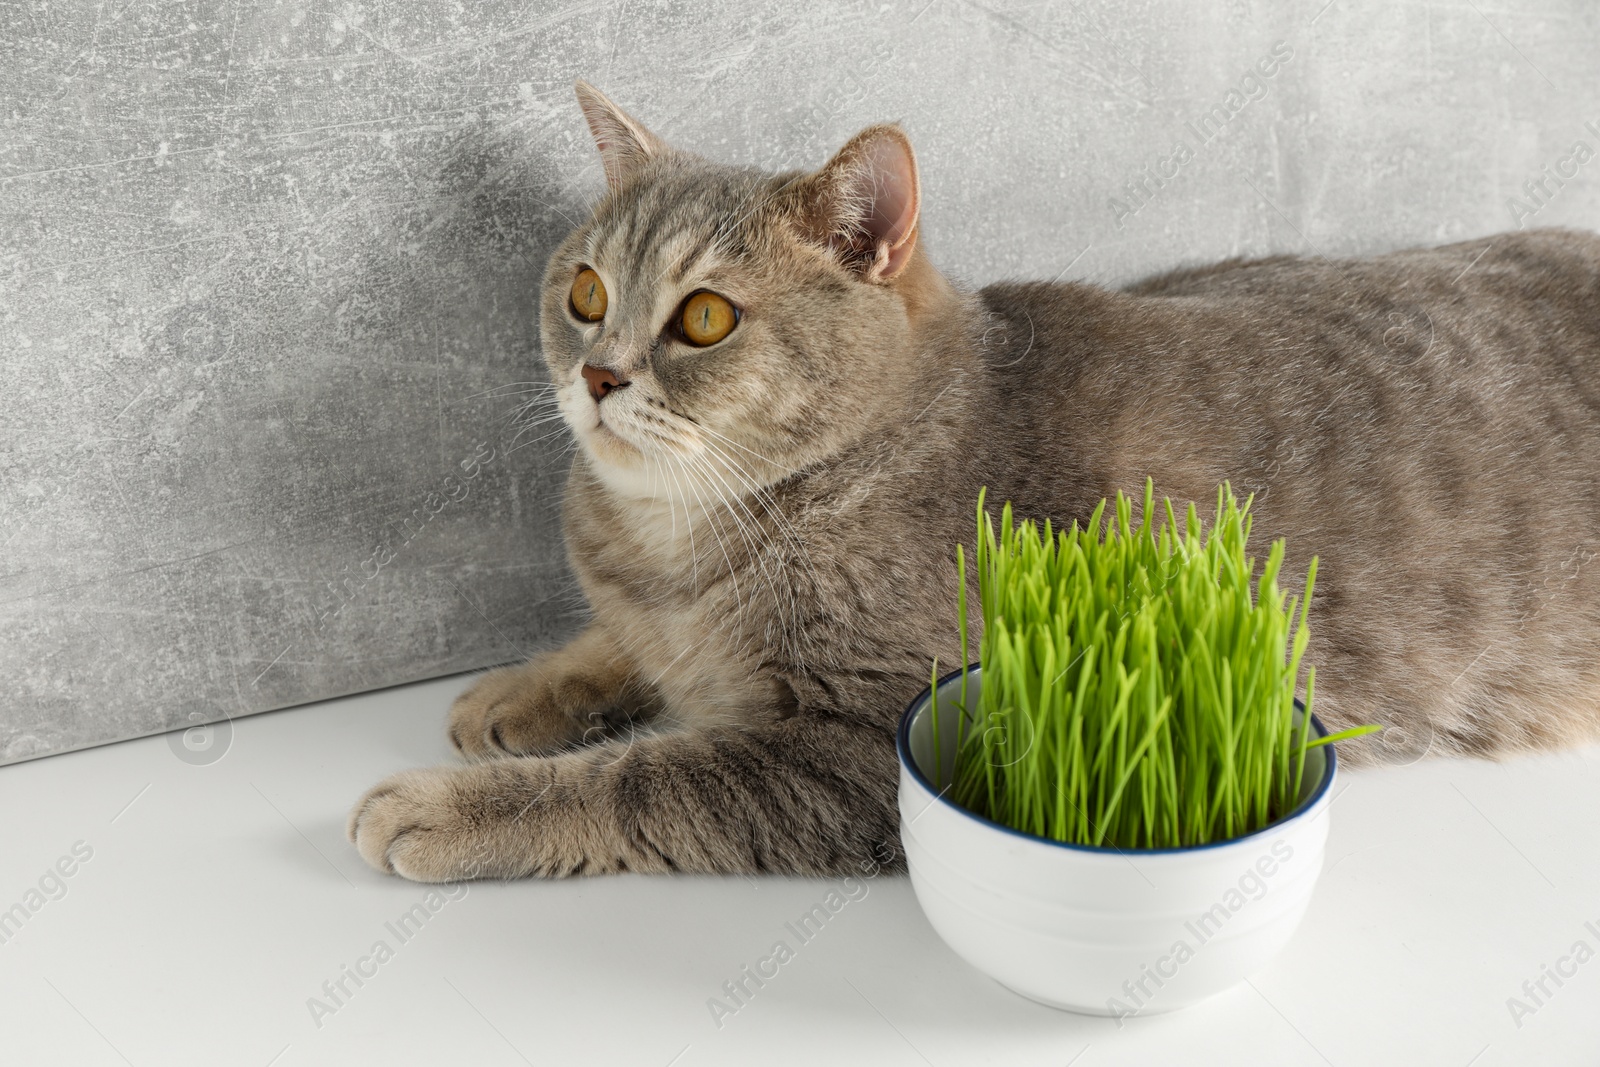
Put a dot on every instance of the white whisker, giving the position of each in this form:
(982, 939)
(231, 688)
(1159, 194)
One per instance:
(514, 389)
(694, 555)
(758, 547)
(710, 516)
(743, 448)
(764, 497)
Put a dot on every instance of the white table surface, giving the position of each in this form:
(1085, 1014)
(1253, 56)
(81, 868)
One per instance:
(219, 898)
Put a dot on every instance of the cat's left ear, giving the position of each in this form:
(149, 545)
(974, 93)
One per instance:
(625, 145)
(863, 203)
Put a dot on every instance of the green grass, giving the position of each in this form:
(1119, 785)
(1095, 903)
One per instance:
(1138, 687)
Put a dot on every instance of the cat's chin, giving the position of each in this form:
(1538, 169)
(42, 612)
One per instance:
(629, 483)
(619, 464)
(608, 448)
(610, 444)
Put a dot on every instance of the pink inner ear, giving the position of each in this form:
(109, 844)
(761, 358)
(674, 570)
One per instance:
(893, 177)
(894, 198)
(624, 144)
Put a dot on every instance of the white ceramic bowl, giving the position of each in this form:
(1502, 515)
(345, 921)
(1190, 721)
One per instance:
(1100, 930)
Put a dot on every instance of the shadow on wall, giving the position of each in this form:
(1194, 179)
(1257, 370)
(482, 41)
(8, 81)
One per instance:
(383, 427)
(268, 272)
(314, 490)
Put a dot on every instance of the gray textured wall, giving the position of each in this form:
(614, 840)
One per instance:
(266, 268)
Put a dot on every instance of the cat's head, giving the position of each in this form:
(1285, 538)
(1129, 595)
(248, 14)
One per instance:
(713, 327)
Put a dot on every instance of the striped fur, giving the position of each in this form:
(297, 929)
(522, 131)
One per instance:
(765, 528)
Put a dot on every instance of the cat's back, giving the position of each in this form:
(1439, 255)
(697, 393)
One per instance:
(1510, 315)
(1557, 264)
(1427, 422)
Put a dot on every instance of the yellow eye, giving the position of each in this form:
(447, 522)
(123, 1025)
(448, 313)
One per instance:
(589, 295)
(708, 318)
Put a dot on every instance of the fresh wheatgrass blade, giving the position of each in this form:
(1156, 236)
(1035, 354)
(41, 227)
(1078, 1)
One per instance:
(1139, 680)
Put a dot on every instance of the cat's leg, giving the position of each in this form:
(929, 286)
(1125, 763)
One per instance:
(804, 795)
(577, 694)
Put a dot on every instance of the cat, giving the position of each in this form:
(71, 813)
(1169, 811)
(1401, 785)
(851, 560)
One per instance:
(784, 414)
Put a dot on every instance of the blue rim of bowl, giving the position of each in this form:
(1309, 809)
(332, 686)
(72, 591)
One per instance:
(902, 744)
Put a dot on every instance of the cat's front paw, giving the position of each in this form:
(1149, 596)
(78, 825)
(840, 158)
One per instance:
(522, 711)
(436, 825)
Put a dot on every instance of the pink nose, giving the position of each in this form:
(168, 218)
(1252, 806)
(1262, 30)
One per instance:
(601, 381)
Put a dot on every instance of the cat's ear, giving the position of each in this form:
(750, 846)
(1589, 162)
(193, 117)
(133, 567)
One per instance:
(625, 145)
(863, 203)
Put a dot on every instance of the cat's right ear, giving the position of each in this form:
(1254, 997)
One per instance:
(864, 202)
(625, 145)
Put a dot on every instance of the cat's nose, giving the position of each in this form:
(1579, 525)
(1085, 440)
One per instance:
(601, 381)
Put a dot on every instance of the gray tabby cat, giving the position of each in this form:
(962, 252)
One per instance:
(785, 413)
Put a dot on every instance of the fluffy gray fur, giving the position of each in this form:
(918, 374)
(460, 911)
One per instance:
(764, 527)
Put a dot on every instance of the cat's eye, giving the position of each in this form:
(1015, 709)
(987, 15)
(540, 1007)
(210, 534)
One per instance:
(589, 295)
(708, 318)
